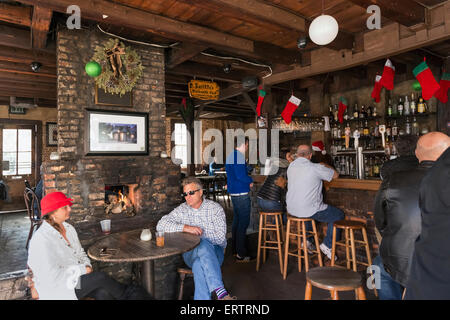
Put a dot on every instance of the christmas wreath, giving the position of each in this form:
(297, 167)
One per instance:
(121, 67)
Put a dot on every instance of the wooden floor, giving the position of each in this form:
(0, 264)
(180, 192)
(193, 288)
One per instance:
(14, 228)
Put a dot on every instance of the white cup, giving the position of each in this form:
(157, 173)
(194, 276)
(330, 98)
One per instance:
(106, 226)
(146, 235)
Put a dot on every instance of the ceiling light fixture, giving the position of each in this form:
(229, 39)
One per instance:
(323, 29)
(35, 66)
(227, 68)
(301, 43)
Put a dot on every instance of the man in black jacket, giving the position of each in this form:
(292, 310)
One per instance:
(397, 216)
(430, 267)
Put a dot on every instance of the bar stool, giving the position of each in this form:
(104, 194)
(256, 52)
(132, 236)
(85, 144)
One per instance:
(302, 243)
(183, 272)
(334, 279)
(264, 228)
(350, 243)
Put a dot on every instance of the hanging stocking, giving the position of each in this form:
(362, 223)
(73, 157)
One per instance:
(289, 109)
(426, 79)
(261, 95)
(442, 93)
(387, 79)
(377, 89)
(342, 107)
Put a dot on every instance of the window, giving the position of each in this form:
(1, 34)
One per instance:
(17, 151)
(181, 143)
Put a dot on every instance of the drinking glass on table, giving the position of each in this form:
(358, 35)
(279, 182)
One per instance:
(160, 238)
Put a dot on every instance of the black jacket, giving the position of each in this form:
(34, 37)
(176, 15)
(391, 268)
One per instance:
(399, 164)
(430, 270)
(269, 190)
(397, 217)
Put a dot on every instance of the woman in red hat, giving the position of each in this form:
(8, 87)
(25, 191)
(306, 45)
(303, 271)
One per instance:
(60, 267)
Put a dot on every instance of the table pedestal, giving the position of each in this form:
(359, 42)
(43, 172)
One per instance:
(148, 277)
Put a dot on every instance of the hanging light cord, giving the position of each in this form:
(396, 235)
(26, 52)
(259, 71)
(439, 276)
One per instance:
(139, 42)
(242, 60)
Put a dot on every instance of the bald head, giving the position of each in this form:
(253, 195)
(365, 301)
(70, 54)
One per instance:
(304, 151)
(431, 146)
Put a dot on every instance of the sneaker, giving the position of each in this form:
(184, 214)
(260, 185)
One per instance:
(326, 251)
(228, 297)
(242, 259)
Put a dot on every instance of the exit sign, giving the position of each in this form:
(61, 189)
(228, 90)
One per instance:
(16, 110)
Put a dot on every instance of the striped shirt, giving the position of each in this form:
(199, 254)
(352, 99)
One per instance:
(210, 217)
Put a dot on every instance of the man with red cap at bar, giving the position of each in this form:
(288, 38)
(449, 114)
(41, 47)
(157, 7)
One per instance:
(320, 154)
(60, 267)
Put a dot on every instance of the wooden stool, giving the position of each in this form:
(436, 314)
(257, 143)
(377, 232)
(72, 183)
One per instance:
(334, 279)
(350, 243)
(263, 243)
(183, 272)
(301, 236)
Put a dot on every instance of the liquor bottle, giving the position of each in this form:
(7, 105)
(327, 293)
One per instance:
(346, 117)
(400, 107)
(389, 109)
(363, 113)
(369, 112)
(406, 108)
(356, 112)
(338, 133)
(361, 128)
(376, 168)
(336, 112)
(374, 113)
(331, 114)
(395, 129)
(371, 167)
(334, 131)
(366, 167)
(388, 130)
(413, 104)
(408, 127)
(366, 129)
(415, 127)
(421, 106)
(376, 131)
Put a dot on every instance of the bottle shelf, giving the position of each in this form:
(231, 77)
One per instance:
(418, 115)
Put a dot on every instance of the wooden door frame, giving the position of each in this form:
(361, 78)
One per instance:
(38, 136)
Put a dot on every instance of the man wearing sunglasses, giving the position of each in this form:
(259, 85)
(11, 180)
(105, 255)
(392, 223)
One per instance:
(206, 219)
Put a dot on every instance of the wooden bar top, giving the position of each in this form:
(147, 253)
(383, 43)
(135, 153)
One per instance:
(340, 183)
(372, 185)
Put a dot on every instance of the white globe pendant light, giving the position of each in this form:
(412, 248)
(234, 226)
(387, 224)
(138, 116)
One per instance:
(323, 30)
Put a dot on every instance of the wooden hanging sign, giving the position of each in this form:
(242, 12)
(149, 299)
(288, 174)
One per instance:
(203, 90)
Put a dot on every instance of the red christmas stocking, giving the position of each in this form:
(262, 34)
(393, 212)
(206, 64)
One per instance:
(377, 89)
(442, 93)
(387, 79)
(289, 109)
(426, 79)
(342, 107)
(261, 95)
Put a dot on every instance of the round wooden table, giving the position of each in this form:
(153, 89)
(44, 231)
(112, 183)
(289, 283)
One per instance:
(128, 247)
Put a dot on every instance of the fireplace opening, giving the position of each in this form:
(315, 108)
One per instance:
(119, 199)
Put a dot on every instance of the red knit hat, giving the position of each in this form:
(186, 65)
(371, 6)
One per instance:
(53, 201)
(318, 146)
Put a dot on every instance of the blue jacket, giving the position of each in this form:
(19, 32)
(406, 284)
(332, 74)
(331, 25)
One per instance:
(238, 180)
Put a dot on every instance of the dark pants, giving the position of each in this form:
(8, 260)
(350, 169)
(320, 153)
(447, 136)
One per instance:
(100, 286)
(389, 288)
(241, 220)
(271, 205)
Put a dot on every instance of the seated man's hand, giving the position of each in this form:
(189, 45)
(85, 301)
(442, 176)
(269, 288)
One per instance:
(194, 230)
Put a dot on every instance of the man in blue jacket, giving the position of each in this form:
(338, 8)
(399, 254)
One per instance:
(239, 184)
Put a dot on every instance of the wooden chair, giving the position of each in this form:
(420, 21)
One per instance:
(272, 227)
(334, 279)
(32, 202)
(302, 244)
(183, 273)
(350, 243)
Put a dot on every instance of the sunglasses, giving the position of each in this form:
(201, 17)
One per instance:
(191, 193)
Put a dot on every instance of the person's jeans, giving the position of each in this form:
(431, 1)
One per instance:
(389, 288)
(100, 286)
(241, 220)
(329, 215)
(271, 205)
(205, 261)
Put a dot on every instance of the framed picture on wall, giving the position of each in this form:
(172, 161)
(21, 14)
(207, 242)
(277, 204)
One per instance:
(52, 134)
(107, 99)
(116, 133)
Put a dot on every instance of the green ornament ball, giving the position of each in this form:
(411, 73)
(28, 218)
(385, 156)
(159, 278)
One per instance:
(416, 86)
(93, 69)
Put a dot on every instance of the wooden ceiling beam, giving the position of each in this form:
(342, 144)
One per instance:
(28, 94)
(21, 68)
(31, 78)
(40, 26)
(182, 53)
(26, 56)
(16, 37)
(15, 14)
(27, 86)
(405, 12)
(194, 69)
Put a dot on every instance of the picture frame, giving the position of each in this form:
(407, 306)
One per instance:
(52, 134)
(116, 133)
(104, 98)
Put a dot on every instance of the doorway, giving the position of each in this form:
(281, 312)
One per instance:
(20, 150)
